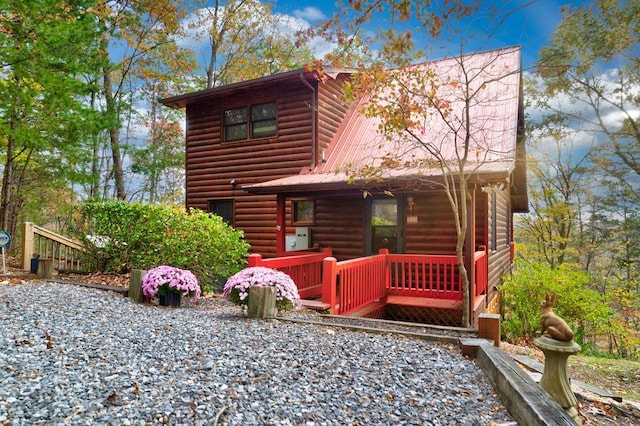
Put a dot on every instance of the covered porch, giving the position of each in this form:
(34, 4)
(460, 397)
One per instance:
(419, 288)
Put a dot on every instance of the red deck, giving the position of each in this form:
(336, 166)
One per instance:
(422, 281)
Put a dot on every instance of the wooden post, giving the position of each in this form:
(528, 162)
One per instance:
(27, 245)
(329, 283)
(45, 269)
(262, 302)
(135, 285)
(254, 260)
(281, 225)
(489, 327)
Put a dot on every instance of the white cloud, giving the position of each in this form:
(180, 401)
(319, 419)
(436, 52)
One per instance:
(197, 29)
(309, 14)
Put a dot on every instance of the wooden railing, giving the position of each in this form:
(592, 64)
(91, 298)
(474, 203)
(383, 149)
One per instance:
(360, 281)
(352, 284)
(65, 252)
(304, 269)
(424, 276)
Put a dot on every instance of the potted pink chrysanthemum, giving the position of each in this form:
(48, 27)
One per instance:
(169, 284)
(237, 287)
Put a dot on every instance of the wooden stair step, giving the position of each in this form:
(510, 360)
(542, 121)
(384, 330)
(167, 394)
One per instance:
(424, 302)
(317, 305)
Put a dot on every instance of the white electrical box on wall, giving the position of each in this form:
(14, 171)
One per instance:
(300, 241)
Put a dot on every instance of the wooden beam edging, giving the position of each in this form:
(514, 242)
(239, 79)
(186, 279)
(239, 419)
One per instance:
(445, 328)
(523, 398)
(422, 336)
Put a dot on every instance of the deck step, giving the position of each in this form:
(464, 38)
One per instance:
(316, 305)
(424, 302)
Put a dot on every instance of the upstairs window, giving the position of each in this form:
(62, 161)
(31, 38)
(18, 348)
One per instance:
(235, 124)
(263, 120)
(257, 121)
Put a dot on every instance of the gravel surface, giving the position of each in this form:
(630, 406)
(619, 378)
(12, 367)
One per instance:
(73, 355)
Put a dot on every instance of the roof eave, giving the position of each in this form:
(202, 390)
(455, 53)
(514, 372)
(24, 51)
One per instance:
(182, 101)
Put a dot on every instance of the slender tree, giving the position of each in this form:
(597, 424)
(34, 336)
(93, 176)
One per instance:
(45, 47)
(558, 191)
(246, 40)
(592, 60)
(132, 32)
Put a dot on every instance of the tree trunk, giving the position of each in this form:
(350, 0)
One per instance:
(7, 183)
(114, 138)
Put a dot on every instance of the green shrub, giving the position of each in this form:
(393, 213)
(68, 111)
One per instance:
(121, 236)
(585, 310)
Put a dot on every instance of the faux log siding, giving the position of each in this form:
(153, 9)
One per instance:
(211, 164)
(331, 110)
(435, 231)
(339, 224)
(499, 256)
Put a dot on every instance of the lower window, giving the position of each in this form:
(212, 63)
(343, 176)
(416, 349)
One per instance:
(224, 209)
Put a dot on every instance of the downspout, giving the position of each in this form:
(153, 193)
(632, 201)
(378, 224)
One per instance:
(314, 142)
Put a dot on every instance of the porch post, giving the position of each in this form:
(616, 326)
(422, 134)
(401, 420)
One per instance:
(254, 260)
(329, 282)
(281, 227)
(27, 245)
(470, 251)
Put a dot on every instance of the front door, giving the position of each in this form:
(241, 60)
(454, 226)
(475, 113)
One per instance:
(385, 228)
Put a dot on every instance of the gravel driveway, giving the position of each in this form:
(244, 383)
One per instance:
(74, 355)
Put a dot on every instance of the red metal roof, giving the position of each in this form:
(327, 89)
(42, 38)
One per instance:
(493, 79)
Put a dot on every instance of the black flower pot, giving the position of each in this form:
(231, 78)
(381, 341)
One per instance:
(170, 298)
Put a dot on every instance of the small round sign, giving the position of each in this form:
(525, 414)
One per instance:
(5, 239)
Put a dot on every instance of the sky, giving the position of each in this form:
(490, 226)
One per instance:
(529, 23)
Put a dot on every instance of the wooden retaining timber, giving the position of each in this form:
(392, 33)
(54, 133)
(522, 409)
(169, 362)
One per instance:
(525, 401)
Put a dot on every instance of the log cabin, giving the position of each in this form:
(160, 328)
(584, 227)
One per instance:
(278, 158)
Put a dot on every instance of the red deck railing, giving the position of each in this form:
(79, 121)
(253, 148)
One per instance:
(352, 284)
(424, 276)
(360, 281)
(304, 269)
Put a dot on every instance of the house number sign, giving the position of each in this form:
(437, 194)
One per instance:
(5, 240)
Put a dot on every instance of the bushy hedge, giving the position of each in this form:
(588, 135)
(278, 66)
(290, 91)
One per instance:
(121, 236)
(584, 309)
